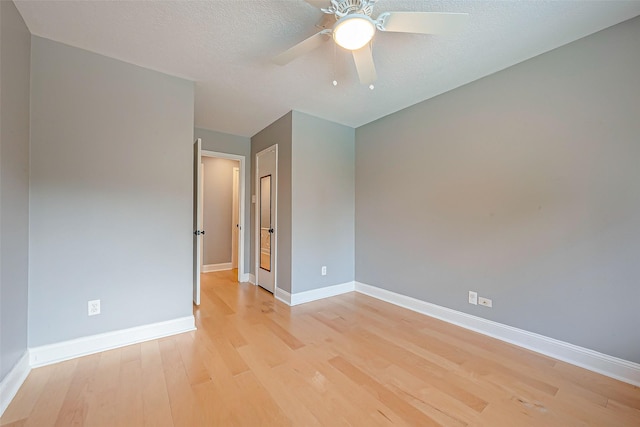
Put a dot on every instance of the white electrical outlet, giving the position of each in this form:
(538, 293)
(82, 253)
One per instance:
(473, 298)
(324, 270)
(94, 307)
(485, 301)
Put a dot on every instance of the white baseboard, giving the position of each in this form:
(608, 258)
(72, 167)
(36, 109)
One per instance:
(11, 383)
(314, 294)
(210, 268)
(320, 293)
(252, 279)
(283, 296)
(245, 277)
(52, 353)
(610, 366)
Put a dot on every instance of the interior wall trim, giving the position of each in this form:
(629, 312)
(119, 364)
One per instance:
(601, 363)
(314, 294)
(251, 278)
(209, 268)
(12, 382)
(283, 296)
(65, 350)
(320, 293)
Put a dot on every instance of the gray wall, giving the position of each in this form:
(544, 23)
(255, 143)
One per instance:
(523, 186)
(240, 146)
(15, 47)
(279, 132)
(322, 212)
(217, 209)
(224, 142)
(111, 194)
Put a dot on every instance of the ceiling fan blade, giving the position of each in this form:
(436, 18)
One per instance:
(423, 22)
(318, 3)
(302, 48)
(364, 64)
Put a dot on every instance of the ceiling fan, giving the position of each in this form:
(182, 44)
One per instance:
(350, 25)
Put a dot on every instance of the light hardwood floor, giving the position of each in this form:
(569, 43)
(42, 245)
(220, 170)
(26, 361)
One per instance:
(347, 360)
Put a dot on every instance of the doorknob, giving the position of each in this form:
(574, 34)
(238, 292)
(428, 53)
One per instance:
(198, 232)
(271, 230)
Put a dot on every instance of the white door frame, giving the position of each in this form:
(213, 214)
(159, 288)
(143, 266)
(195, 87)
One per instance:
(274, 242)
(235, 218)
(242, 277)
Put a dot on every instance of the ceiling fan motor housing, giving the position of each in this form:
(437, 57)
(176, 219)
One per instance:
(341, 8)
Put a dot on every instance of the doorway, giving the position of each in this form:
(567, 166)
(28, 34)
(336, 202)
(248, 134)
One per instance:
(266, 218)
(219, 214)
(220, 219)
(235, 218)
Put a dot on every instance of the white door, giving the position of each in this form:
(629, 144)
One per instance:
(197, 219)
(201, 207)
(235, 220)
(266, 208)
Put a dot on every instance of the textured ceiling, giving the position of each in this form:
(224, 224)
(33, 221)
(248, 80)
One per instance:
(225, 46)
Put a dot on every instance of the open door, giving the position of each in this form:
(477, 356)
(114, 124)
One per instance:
(266, 209)
(197, 219)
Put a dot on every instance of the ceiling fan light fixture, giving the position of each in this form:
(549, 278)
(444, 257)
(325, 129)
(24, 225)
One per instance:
(354, 31)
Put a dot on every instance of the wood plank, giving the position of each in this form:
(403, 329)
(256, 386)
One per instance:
(130, 404)
(103, 390)
(26, 398)
(48, 405)
(406, 411)
(283, 396)
(155, 397)
(75, 405)
(185, 407)
(191, 359)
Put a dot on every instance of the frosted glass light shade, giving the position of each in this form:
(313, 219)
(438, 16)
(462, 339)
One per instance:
(354, 31)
